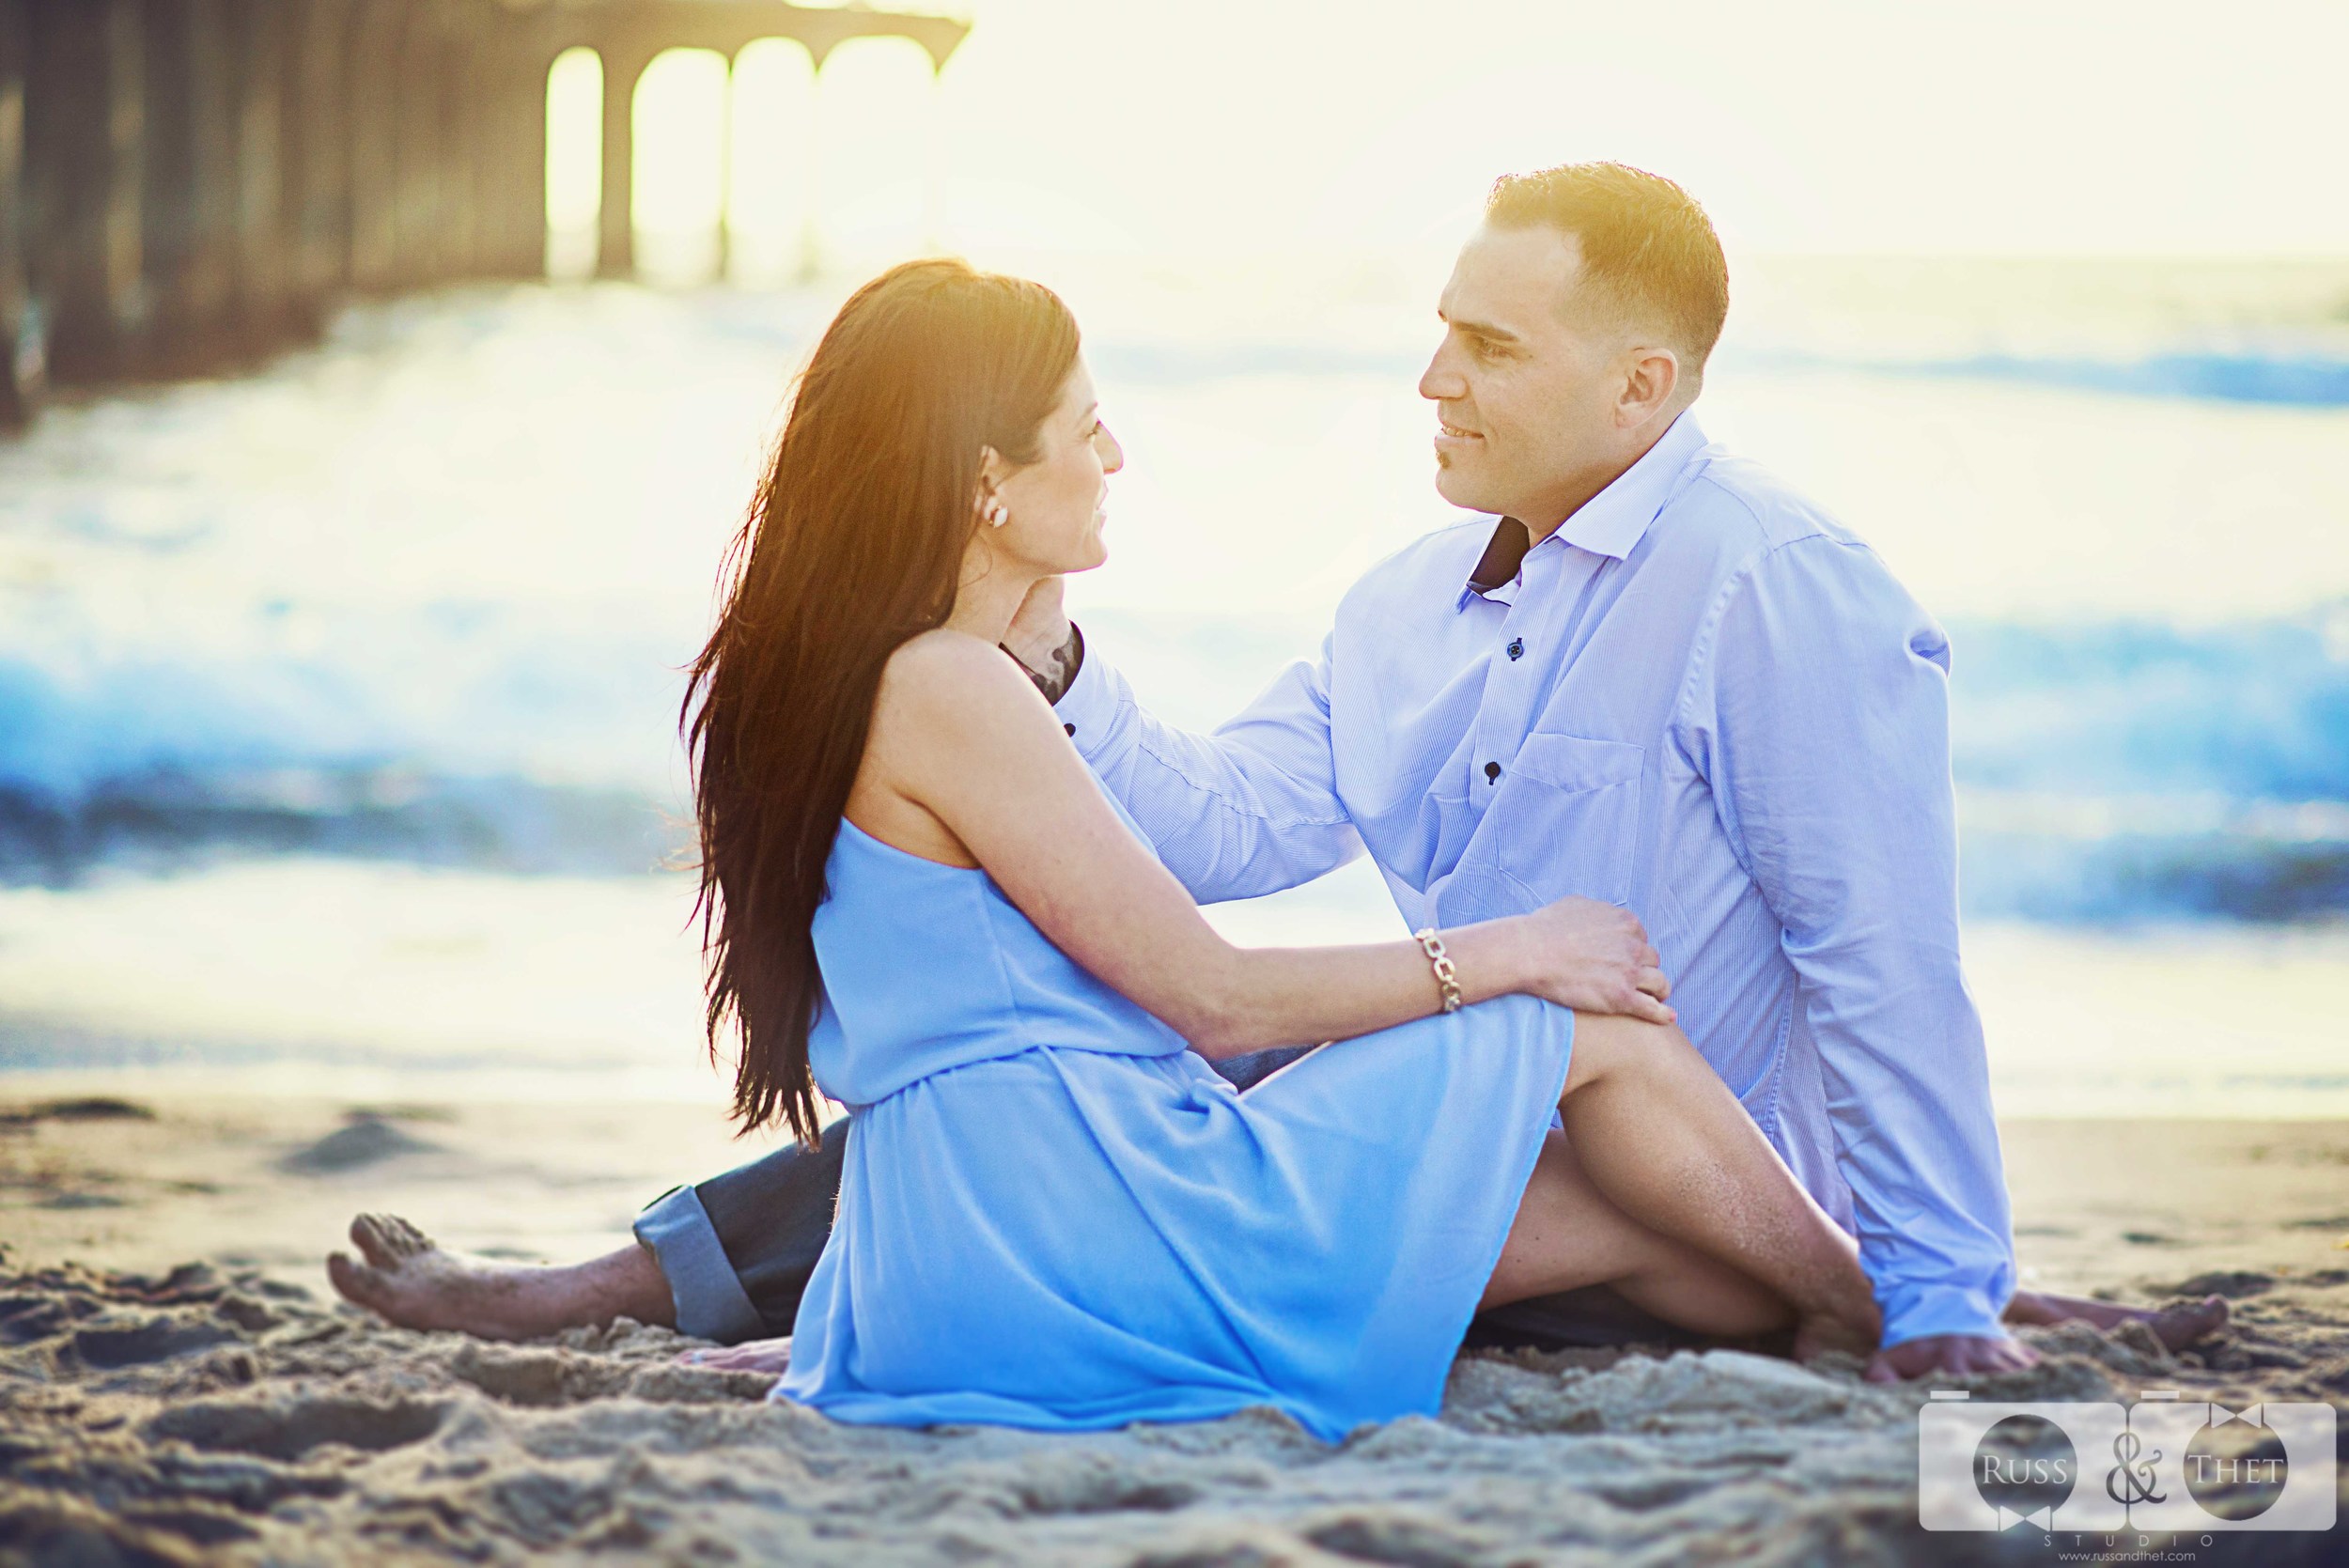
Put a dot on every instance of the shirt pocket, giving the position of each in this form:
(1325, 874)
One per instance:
(1569, 816)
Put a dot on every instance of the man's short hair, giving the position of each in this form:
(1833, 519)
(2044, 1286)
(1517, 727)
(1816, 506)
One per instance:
(1648, 250)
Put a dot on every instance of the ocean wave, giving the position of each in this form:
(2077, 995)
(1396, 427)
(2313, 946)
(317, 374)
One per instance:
(2112, 772)
(166, 822)
(2223, 716)
(2287, 378)
(2125, 771)
(2237, 873)
(2281, 378)
(1185, 364)
(2294, 381)
(492, 740)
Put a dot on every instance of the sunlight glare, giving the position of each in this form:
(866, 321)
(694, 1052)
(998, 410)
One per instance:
(773, 154)
(678, 117)
(574, 162)
(875, 110)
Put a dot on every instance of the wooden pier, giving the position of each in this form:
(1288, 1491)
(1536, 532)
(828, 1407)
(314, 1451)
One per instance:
(186, 185)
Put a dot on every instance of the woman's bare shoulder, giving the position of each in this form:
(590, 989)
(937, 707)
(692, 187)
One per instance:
(943, 662)
(950, 679)
(942, 651)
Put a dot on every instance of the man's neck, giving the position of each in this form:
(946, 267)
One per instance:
(1547, 519)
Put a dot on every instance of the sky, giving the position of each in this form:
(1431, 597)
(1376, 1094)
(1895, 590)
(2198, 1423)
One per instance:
(2062, 126)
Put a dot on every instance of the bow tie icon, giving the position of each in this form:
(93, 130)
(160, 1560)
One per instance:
(2220, 1415)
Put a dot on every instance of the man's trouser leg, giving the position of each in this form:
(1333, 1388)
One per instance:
(737, 1249)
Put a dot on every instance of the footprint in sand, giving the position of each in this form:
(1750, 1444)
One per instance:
(109, 1346)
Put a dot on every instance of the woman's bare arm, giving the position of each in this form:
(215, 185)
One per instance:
(961, 736)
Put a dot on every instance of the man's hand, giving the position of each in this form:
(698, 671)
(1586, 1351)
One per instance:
(1955, 1355)
(1040, 630)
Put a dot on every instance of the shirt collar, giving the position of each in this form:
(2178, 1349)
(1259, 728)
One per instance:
(1612, 523)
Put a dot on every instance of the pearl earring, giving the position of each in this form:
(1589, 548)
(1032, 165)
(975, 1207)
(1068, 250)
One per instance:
(996, 513)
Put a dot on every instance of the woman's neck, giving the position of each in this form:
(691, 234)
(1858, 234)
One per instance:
(985, 605)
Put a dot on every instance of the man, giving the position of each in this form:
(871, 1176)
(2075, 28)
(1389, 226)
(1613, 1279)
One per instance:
(1660, 678)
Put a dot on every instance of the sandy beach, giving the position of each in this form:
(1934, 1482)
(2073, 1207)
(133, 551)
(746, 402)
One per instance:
(176, 1386)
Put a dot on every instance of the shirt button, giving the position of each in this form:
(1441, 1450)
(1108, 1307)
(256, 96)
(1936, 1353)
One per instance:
(1071, 729)
(1516, 648)
(1492, 770)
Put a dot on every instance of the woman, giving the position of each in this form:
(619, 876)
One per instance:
(918, 900)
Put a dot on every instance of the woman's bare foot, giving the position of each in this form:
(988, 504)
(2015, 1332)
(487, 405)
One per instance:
(2176, 1326)
(410, 1280)
(1817, 1333)
(772, 1356)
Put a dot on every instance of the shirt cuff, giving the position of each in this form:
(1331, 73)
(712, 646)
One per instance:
(1088, 706)
(1915, 1311)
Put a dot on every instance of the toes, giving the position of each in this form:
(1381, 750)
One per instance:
(367, 1235)
(386, 1240)
(356, 1283)
(406, 1237)
(2180, 1326)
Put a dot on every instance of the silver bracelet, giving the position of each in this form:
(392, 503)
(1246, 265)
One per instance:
(1447, 973)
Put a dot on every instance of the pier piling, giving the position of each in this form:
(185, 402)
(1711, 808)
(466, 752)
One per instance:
(20, 368)
(187, 185)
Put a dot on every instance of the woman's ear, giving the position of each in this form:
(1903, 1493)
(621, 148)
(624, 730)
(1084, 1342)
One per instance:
(989, 502)
(993, 471)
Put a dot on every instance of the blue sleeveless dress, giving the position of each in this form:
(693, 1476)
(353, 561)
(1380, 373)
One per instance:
(1053, 1215)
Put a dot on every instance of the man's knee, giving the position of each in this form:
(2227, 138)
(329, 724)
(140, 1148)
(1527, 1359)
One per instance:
(791, 1188)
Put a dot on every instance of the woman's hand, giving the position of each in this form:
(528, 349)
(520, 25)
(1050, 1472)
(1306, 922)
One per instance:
(1594, 958)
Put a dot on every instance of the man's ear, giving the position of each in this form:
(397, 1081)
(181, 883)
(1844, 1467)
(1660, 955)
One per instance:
(1650, 379)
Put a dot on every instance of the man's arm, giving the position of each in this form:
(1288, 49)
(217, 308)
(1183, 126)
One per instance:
(1248, 810)
(957, 733)
(1822, 721)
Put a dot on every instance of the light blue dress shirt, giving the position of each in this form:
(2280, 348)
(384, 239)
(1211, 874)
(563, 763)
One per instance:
(1699, 698)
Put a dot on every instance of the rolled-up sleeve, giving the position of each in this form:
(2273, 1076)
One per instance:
(1818, 712)
(1247, 810)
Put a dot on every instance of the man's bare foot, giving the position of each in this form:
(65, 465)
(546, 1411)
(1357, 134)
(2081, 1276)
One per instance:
(2176, 1326)
(1950, 1356)
(2189, 1321)
(410, 1280)
(772, 1356)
